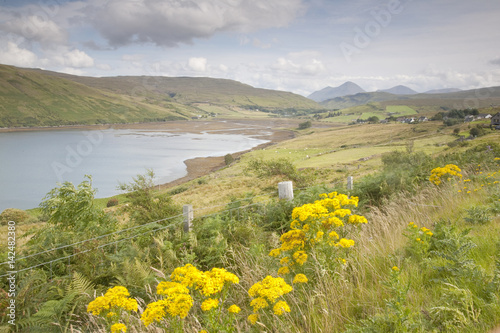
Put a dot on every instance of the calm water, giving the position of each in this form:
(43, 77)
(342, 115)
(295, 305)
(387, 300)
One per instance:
(32, 163)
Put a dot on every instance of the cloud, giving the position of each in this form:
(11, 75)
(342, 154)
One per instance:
(35, 28)
(16, 56)
(198, 64)
(300, 63)
(258, 43)
(495, 61)
(171, 22)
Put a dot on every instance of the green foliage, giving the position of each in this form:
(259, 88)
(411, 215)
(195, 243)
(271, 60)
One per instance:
(228, 159)
(72, 208)
(112, 202)
(305, 125)
(397, 315)
(477, 215)
(282, 167)
(145, 206)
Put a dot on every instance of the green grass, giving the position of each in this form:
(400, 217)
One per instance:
(400, 110)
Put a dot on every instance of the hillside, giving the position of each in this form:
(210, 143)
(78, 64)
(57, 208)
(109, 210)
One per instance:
(475, 98)
(34, 97)
(400, 90)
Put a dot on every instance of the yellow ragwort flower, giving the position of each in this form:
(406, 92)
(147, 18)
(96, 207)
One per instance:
(210, 304)
(300, 278)
(234, 309)
(280, 308)
(118, 328)
(253, 318)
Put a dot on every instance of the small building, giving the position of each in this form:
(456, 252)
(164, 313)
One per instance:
(422, 119)
(495, 120)
(468, 119)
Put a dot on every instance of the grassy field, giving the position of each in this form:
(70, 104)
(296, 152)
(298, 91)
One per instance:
(333, 153)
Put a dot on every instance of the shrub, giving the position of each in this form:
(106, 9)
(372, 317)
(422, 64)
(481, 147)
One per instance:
(112, 202)
(228, 159)
(13, 214)
(276, 167)
(305, 125)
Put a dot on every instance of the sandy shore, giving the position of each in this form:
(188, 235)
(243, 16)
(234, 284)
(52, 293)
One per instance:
(274, 131)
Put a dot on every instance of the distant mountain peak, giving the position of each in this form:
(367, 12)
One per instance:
(400, 90)
(345, 89)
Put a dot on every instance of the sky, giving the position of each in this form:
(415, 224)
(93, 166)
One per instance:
(293, 45)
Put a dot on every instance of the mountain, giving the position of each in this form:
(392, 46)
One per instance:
(348, 88)
(443, 91)
(358, 99)
(34, 97)
(478, 98)
(400, 90)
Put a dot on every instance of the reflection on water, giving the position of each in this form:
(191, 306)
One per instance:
(31, 163)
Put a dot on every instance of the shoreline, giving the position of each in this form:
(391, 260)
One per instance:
(271, 130)
(202, 166)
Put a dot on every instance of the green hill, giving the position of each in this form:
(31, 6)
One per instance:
(475, 98)
(34, 97)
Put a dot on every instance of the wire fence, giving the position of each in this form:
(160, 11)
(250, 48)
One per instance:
(172, 225)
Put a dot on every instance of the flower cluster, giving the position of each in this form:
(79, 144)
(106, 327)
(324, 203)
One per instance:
(177, 299)
(480, 181)
(315, 225)
(110, 306)
(267, 293)
(448, 171)
(176, 302)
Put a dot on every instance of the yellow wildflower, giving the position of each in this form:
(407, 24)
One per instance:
(300, 278)
(300, 257)
(283, 270)
(117, 328)
(210, 304)
(253, 318)
(280, 308)
(345, 243)
(234, 309)
(259, 303)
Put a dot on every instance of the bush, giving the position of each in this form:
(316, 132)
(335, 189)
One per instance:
(305, 125)
(112, 202)
(13, 214)
(277, 167)
(228, 159)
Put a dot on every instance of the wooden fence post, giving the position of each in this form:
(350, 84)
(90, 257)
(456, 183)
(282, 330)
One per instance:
(285, 190)
(187, 210)
(350, 183)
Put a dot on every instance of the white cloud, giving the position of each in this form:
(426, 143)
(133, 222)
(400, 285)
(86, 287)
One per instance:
(13, 55)
(258, 43)
(77, 58)
(170, 22)
(35, 28)
(198, 64)
(300, 63)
